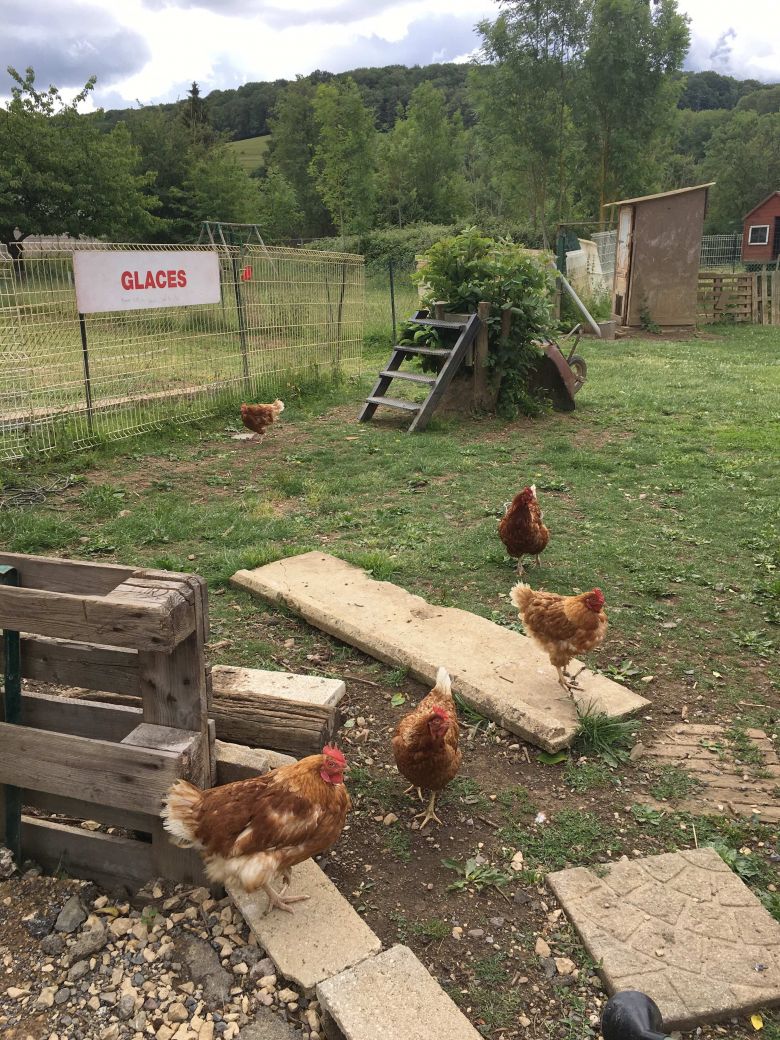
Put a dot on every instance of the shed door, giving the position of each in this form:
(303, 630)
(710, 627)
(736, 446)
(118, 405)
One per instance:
(625, 236)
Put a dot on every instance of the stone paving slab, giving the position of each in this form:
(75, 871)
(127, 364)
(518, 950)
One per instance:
(707, 753)
(498, 672)
(289, 686)
(682, 928)
(390, 997)
(323, 937)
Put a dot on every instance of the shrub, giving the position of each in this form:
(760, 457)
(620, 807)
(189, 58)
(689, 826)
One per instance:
(468, 268)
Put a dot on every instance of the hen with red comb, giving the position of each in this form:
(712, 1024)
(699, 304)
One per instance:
(425, 744)
(251, 831)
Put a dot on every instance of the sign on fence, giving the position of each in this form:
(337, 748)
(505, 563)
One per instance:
(109, 280)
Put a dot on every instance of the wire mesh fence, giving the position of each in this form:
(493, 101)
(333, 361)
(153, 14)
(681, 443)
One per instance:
(721, 251)
(285, 315)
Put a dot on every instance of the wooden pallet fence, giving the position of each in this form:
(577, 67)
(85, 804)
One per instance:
(243, 712)
(740, 297)
(726, 297)
(92, 625)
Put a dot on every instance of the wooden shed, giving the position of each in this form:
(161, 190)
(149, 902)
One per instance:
(761, 232)
(657, 257)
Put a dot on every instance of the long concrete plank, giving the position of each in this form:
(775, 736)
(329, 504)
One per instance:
(498, 672)
(390, 996)
(324, 935)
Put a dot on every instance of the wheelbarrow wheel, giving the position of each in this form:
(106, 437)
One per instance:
(579, 367)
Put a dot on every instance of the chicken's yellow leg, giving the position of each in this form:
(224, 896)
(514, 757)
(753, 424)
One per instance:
(429, 814)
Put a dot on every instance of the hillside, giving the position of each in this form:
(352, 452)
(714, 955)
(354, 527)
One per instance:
(251, 152)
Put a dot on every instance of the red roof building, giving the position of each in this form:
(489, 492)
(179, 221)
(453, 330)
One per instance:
(761, 233)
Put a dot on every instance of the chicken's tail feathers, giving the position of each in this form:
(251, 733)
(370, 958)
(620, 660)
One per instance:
(279, 406)
(443, 682)
(521, 595)
(178, 813)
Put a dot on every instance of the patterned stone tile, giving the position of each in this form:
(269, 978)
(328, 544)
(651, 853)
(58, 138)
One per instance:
(688, 932)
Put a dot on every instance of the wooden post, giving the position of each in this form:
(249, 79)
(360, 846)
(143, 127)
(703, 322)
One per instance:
(481, 393)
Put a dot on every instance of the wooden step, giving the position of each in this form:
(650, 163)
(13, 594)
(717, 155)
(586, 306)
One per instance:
(395, 402)
(411, 376)
(430, 351)
(434, 323)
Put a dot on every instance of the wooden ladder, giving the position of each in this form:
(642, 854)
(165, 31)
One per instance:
(467, 331)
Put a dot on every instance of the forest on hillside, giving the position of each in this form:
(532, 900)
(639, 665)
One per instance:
(551, 123)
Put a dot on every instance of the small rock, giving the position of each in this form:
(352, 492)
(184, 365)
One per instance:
(53, 945)
(565, 966)
(78, 970)
(126, 1006)
(548, 967)
(240, 968)
(524, 1022)
(46, 997)
(390, 819)
(476, 933)
(62, 995)
(457, 932)
(91, 940)
(286, 996)
(71, 917)
(7, 865)
(497, 922)
(120, 926)
(40, 925)
(14, 992)
(177, 1013)
(542, 948)
(266, 982)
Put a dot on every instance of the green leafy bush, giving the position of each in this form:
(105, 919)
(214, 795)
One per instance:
(468, 268)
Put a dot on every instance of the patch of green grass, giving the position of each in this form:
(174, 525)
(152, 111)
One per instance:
(398, 842)
(673, 784)
(607, 738)
(585, 776)
(573, 837)
(497, 1009)
(376, 563)
(433, 928)
(466, 790)
(746, 752)
(490, 970)
(364, 785)
(250, 153)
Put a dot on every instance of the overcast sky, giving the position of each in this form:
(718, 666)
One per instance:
(151, 50)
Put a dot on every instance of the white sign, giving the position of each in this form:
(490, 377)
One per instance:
(129, 281)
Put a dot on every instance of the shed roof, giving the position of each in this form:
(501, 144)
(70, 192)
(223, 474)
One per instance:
(758, 205)
(662, 194)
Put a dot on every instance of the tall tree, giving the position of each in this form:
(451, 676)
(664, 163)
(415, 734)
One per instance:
(344, 157)
(194, 110)
(60, 174)
(533, 51)
(294, 139)
(217, 188)
(421, 161)
(630, 91)
(279, 216)
(743, 157)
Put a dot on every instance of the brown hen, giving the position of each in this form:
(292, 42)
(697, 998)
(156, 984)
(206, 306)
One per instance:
(251, 830)
(425, 744)
(258, 417)
(564, 626)
(521, 528)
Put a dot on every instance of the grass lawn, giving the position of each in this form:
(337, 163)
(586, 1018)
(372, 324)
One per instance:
(662, 488)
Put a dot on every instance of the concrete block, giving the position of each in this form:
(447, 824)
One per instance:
(306, 689)
(237, 762)
(680, 927)
(322, 937)
(500, 673)
(391, 995)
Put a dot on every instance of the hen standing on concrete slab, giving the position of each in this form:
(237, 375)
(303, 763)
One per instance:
(251, 830)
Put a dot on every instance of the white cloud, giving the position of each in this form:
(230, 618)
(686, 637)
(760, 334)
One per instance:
(741, 40)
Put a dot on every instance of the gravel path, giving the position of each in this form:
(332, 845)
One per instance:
(173, 964)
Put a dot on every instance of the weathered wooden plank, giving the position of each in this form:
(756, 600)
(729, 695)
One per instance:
(81, 718)
(63, 662)
(104, 858)
(126, 618)
(289, 726)
(79, 577)
(119, 775)
(76, 809)
(169, 860)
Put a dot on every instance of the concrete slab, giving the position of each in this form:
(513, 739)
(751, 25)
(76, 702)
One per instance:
(708, 755)
(306, 689)
(682, 928)
(498, 672)
(238, 762)
(391, 995)
(322, 938)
